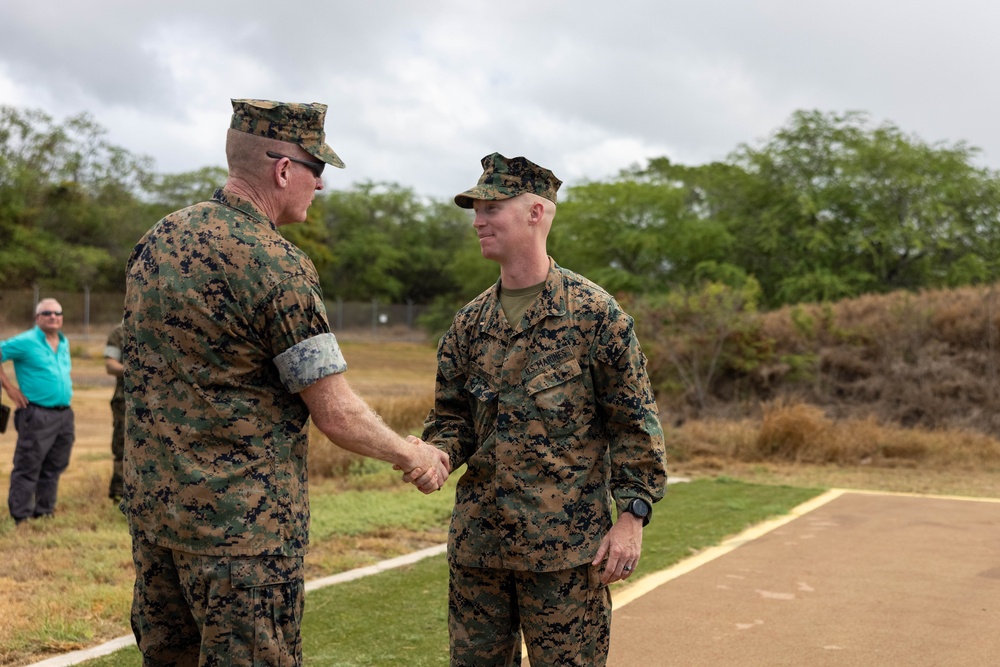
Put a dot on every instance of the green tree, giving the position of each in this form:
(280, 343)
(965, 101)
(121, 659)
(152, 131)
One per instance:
(176, 191)
(431, 244)
(362, 224)
(64, 192)
(386, 243)
(635, 234)
(833, 206)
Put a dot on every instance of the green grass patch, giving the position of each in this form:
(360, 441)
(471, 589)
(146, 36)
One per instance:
(395, 619)
(356, 511)
(400, 617)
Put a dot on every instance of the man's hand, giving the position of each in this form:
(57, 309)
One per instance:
(349, 422)
(114, 367)
(12, 391)
(18, 398)
(432, 467)
(622, 547)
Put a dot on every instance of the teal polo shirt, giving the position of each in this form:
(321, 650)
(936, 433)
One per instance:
(42, 375)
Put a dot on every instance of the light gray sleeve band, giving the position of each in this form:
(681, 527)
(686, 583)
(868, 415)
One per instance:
(312, 359)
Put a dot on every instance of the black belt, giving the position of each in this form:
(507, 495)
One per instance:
(55, 407)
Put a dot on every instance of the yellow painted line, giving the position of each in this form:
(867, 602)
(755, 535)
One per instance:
(649, 582)
(634, 591)
(910, 494)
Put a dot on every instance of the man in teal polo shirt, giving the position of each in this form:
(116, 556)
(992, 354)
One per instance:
(43, 419)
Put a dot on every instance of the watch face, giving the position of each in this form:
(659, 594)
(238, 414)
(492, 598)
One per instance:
(639, 507)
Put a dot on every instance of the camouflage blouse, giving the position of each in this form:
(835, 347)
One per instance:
(555, 419)
(224, 324)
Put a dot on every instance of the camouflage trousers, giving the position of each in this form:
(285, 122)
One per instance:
(565, 617)
(190, 610)
(116, 488)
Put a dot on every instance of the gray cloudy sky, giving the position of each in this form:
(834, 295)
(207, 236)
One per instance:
(419, 90)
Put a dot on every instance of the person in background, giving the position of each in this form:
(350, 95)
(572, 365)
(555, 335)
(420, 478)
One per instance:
(228, 353)
(113, 365)
(542, 392)
(43, 418)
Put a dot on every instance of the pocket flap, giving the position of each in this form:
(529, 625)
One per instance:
(264, 571)
(553, 377)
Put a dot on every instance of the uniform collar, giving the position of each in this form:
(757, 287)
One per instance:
(552, 302)
(234, 201)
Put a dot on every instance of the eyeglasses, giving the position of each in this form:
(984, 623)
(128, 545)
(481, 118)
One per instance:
(317, 167)
(50, 313)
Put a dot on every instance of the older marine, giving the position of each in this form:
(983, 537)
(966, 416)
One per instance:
(228, 353)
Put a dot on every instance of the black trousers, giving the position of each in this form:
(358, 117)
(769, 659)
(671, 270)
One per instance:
(44, 442)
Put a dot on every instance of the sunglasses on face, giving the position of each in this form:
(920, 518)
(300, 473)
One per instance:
(317, 167)
(50, 313)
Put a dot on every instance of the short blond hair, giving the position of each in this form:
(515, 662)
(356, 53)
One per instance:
(548, 205)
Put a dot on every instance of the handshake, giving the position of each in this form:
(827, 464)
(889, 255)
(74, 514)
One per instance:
(426, 466)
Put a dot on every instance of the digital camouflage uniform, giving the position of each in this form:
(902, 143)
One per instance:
(555, 419)
(224, 325)
(113, 350)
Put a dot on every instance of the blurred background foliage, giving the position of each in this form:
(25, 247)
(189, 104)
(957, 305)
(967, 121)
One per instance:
(830, 206)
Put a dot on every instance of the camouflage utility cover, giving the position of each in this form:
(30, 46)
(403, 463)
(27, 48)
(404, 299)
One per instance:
(224, 322)
(294, 123)
(555, 419)
(504, 178)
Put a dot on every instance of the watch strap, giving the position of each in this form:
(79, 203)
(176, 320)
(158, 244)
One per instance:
(629, 507)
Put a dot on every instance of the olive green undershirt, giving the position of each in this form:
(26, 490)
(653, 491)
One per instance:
(515, 301)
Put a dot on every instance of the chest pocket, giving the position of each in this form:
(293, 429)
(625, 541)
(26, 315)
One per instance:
(561, 396)
(485, 406)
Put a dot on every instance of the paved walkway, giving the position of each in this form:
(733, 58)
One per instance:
(849, 579)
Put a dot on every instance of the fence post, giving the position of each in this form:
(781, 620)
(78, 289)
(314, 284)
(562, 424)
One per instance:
(86, 312)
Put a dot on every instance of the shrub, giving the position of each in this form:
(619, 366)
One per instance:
(697, 333)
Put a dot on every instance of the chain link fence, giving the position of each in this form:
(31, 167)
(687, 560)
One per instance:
(91, 315)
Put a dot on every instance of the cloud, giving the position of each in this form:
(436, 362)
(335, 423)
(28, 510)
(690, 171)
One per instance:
(418, 92)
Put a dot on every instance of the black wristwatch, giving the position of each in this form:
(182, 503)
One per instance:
(640, 508)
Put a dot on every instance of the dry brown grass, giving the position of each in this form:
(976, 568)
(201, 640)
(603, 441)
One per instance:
(794, 432)
(796, 443)
(45, 562)
(397, 380)
(928, 360)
